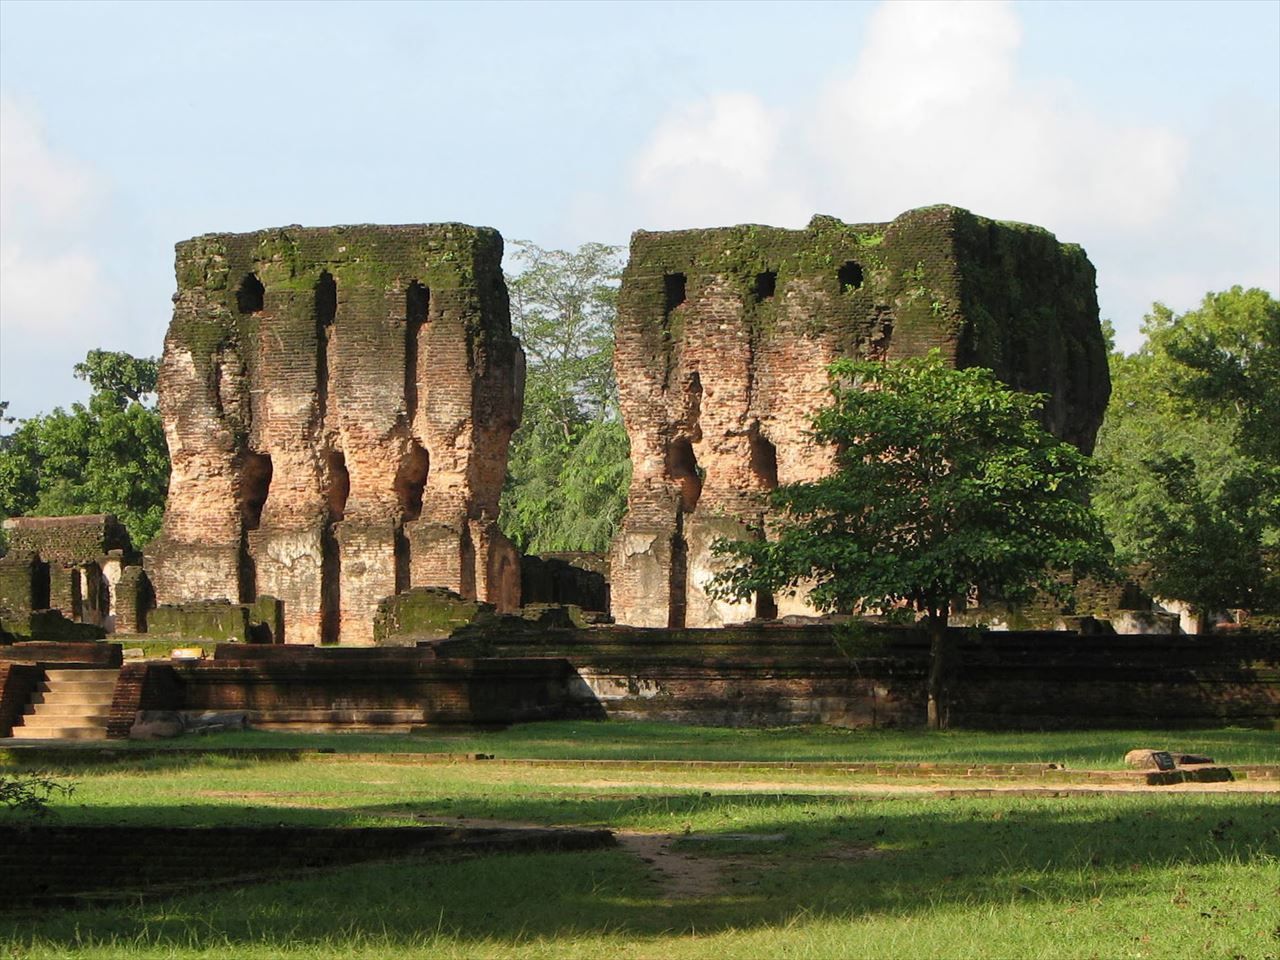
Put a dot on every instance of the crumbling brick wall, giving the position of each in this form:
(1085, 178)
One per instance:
(338, 404)
(724, 336)
(69, 564)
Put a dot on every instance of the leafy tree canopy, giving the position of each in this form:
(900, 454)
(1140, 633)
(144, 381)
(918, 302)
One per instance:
(105, 457)
(945, 481)
(568, 466)
(1190, 487)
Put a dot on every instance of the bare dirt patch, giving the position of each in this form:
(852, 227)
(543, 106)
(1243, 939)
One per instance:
(680, 875)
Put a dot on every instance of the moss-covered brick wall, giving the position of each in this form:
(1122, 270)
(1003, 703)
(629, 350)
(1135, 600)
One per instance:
(424, 613)
(724, 337)
(202, 620)
(324, 390)
(20, 574)
(70, 541)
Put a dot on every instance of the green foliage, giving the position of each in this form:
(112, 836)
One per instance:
(1190, 486)
(1227, 360)
(106, 457)
(569, 466)
(945, 481)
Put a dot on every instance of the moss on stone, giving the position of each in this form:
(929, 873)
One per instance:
(424, 613)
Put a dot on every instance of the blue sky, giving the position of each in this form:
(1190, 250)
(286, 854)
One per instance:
(1148, 132)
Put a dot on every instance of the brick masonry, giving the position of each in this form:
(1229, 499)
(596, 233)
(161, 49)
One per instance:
(724, 336)
(763, 675)
(72, 565)
(338, 404)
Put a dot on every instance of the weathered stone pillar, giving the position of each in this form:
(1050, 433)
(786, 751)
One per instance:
(132, 600)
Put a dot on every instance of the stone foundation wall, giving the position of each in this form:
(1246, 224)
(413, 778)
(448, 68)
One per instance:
(724, 337)
(338, 404)
(773, 674)
(302, 688)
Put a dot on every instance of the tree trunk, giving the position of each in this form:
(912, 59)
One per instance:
(939, 671)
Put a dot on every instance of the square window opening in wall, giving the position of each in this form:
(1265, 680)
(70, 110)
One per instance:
(766, 285)
(675, 291)
(850, 275)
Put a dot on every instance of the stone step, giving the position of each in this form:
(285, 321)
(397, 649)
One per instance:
(60, 693)
(59, 709)
(81, 676)
(90, 683)
(62, 720)
(24, 732)
(92, 689)
(71, 696)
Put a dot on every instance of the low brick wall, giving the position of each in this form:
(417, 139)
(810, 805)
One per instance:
(315, 688)
(94, 654)
(17, 682)
(776, 674)
(141, 686)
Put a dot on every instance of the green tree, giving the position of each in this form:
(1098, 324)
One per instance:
(108, 456)
(568, 467)
(1190, 484)
(1226, 358)
(945, 481)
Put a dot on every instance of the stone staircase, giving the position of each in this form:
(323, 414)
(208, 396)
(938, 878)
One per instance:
(69, 705)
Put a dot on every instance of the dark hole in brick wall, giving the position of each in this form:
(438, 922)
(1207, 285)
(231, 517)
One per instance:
(417, 301)
(326, 310)
(682, 467)
(250, 294)
(403, 563)
(337, 483)
(766, 606)
(40, 586)
(850, 275)
(678, 585)
(255, 486)
(467, 551)
(326, 299)
(674, 288)
(764, 461)
(766, 285)
(410, 480)
(764, 467)
(330, 587)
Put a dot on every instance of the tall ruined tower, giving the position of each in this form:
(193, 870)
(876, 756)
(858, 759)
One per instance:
(724, 336)
(338, 404)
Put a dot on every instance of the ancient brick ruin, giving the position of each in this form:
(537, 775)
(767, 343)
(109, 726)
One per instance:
(338, 404)
(724, 336)
(66, 572)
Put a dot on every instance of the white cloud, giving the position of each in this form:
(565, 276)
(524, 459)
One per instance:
(715, 161)
(47, 296)
(51, 284)
(36, 182)
(932, 110)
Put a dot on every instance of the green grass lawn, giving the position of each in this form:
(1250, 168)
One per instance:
(1089, 749)
(1157, 874)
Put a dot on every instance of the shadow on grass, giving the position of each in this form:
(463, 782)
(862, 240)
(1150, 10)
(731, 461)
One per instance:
(933, 853)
